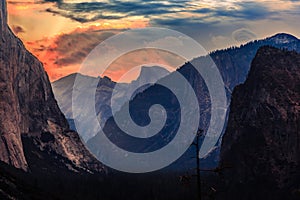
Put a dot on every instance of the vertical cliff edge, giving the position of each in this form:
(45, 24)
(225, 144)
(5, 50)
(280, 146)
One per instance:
(262, 140)
(34, 133)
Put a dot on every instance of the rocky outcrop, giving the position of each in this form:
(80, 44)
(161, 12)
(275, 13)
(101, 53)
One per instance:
(10, 141)
(29, 113)
(106, 93)
(262, 141)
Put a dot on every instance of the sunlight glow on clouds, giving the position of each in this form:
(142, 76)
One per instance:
(62, 32)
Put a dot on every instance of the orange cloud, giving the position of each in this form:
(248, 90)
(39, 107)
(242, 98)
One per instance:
(59, 42)
(63, 54)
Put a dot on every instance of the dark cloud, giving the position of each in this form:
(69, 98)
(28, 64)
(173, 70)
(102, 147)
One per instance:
(210, 22)
(73, 48)
(244, 10)
(82, 18)
(156, 11)
(182, 15)
(18, 29)
(178, 22)
(92, 11)
(248, 11)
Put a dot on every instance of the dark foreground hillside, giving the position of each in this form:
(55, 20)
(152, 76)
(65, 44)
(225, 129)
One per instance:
(262, 140)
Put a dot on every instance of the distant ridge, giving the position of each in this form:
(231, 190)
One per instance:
(234, 65)
(63, 89)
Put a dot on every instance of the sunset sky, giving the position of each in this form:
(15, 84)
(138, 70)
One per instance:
(61, 33)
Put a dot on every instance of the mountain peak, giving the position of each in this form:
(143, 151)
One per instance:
(151, 68)
(106, 78)
(281, 38)
(152, 73)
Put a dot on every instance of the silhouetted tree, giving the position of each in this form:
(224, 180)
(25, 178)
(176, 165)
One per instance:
(185, 179)
(196, 143)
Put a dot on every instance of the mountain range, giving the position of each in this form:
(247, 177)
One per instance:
(233, 63)
(42, 158)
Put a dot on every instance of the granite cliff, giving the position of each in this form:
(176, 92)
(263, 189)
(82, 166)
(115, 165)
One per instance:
(34, 132)
(262, 140)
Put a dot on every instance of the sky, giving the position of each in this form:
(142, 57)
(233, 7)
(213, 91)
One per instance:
(62, 33)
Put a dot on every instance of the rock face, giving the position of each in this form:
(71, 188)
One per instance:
(262, 140)
(3, 15)
(29, 115)
(233, 64)
(105, 93)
